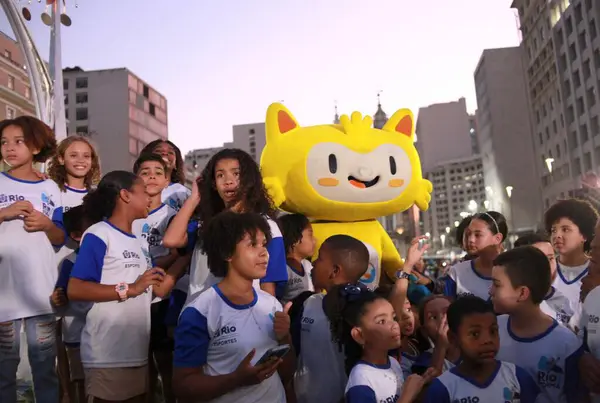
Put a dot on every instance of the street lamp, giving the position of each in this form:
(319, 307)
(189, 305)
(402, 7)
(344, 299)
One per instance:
(486, 204)
(472, 206)
(443, 239)
(456, 224)
(509, 190)
(549, 161)
(447, 230)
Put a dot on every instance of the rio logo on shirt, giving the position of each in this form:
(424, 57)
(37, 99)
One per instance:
(130, 255)
(225, 335)
(391, 399)
(549, 373)
(10, 199)
(151, 235)
(593, 319)
(511, 396)
(468, 399)
(47, 205)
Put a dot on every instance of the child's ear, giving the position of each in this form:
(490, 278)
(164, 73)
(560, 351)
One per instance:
(336, 271)
(357, 335)
(524, 293)
(61, 160)
(124, 195)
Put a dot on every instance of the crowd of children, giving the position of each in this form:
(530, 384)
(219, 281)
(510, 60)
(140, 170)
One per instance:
(124, 280)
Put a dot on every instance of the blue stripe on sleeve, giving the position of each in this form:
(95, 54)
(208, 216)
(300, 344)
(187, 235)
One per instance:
(57, 219)
(437, 393)
(361, 394)
(449, 287)
(573, 386)
(65, 273)
(528, 388)
(191, 340)
(276, 269)
(90, 259)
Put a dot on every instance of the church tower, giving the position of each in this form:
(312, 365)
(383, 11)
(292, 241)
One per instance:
(380, 118)
(336, 118)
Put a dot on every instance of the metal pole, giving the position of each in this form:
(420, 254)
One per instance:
(58, 95)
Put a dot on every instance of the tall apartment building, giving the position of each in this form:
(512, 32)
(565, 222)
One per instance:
(119, 112)
(443, 133)
(576, 36)
(15, 89)
(447, 145)
(505, 138)
(458, 190)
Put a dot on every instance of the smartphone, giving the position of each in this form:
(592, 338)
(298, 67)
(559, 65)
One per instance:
(422, 243)
(275, 352)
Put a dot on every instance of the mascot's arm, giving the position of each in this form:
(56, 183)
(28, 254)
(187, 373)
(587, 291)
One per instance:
(275, 190)
(391, 261)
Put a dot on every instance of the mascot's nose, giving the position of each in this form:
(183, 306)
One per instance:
(365, 173)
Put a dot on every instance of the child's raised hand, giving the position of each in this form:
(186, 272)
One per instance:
(442, 328)
(36, 221)
(59, 297)
(411, 388)
(281, 322)
(16, 210)
(248, 374)
(415, 253)
(196, 189)
(149, 278)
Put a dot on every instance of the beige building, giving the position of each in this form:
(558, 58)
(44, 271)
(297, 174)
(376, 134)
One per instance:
(458, 191)
(505, 138)
(15, 90)
(119, 111)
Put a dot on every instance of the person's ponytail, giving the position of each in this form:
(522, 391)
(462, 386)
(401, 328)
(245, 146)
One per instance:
(100, 203)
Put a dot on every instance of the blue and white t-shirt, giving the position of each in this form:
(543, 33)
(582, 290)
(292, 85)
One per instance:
(558, 307)
(175, 195)
(422, 361)
(320, 375)
(568, 282)
(70, 198)
(297, 282)
(591, 326)
(508, 384)
(73, 315)
(216, 334)
(463, 279)
(27, 259)
(369, 383)
(115, 334)
(551, 359)
(151, 231)
(201, 279)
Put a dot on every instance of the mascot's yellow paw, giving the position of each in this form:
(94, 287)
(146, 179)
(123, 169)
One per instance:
(423, 196)
(275, 190)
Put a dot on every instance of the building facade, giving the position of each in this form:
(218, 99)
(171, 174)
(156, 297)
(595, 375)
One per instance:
(576, 26)
(15, 88)
(505, 139)
(458, 191)
(118, 111)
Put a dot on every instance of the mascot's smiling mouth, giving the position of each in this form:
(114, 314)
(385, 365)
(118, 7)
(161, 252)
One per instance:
(362, 184)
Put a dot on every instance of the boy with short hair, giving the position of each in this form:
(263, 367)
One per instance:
(570, 224)
(529, 338)
(321, 375)
(151, 168)
(555, 304)
(479, 377)
(73, 313)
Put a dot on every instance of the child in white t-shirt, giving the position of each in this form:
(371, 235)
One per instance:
(529, 338)
(555, 304)
(479, 377)
(112, 273)
(366, 328)
(299, 243)
(29, 232)
(224, 331)
(571, 226)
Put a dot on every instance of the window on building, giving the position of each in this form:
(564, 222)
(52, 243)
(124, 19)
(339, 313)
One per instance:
(576, 79)
(591, 97)
(572, 52)
(27, 93)
(66, 113)
(11, 82)
(580, 106)
(66, 84)
(569, 25)
(593, 30)
(578, 14)
(588, 5)
(587, 162)
(558, 151)
(81, 114)
(152, 109)
(577, 166)
(595, 126)
(81, 130)
(81, 82)
(570, 114)
(585, 135)
(146, 91)
(574, 142)
(582, 41)
(11, 112)
(81, 98)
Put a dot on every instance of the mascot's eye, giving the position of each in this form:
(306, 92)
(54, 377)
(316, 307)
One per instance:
(332, 163)
(393, 166)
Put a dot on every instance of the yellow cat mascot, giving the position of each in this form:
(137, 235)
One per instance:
(344, 176)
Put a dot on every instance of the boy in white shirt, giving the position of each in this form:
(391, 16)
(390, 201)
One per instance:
(555, 304)
(528, 337)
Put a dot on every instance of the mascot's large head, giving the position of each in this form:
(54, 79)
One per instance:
(345, 172)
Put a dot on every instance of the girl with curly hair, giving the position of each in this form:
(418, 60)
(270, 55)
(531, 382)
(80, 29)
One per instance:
(175, 194)
(230, 181)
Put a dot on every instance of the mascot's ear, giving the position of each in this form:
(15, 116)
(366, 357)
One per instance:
(401, 122)
(279, 121)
